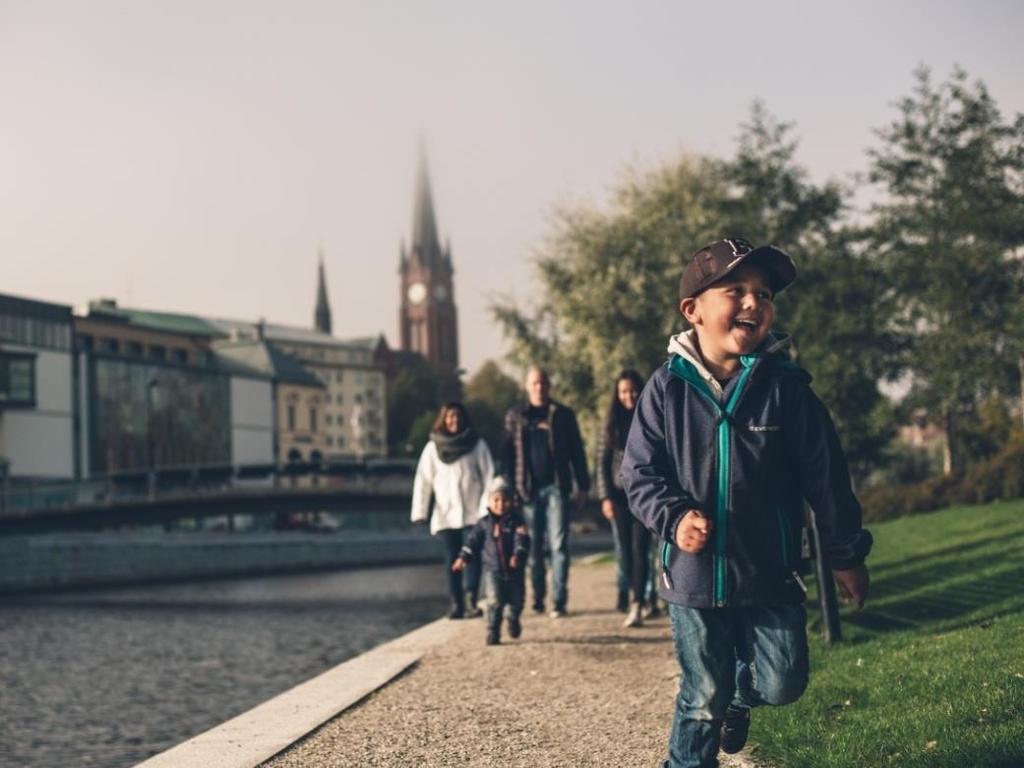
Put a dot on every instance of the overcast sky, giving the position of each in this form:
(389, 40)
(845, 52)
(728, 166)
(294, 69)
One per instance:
(192, 156)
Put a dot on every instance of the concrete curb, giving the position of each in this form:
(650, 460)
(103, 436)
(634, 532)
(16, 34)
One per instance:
(256, 736)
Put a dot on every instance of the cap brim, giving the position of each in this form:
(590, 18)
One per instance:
(775, 261)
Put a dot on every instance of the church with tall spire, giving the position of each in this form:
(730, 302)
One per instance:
(427, 315)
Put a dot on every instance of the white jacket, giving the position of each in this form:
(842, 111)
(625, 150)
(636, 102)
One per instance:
(458, 488)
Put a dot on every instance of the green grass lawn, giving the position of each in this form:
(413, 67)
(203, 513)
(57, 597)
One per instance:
(931, 672)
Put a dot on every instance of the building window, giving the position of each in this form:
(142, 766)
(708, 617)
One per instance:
(111, 345)
(340, 398)
(312, 419)
(291, 418)
(84, 341)
(338, 376)
(158, 352)
(179, 355)
(17, 380)
(133, 348)
(330, 441)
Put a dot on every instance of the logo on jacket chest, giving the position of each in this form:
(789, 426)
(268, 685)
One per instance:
(763, 427)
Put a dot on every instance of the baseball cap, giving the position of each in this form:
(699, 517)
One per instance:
(499, 485)
(716, 260)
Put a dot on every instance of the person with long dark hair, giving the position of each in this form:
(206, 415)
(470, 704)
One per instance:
(455, 469)
(633, 538)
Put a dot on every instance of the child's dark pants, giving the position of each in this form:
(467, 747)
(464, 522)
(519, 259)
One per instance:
(505, 595)
(742, 656)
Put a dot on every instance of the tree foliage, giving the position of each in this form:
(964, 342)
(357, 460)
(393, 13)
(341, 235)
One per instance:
(609, 279)
(946, 236)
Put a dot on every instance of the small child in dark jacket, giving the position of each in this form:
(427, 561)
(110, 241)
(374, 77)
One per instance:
(502, 538)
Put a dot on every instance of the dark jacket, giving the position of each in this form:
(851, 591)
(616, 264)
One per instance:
(496, 539)
(566, 450)
(609, 459)
(747, 461)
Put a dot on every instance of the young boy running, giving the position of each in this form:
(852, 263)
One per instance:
(727, 442)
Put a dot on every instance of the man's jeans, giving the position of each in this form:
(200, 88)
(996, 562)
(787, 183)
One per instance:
(504, 595)
(743, 656)
(547, 514)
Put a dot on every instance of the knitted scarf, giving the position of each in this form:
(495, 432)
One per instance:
(451, 448)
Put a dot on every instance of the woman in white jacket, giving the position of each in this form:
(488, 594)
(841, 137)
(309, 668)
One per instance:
(455, 467)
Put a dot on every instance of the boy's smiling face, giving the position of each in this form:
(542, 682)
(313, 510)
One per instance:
(731, 317)
(500, 503)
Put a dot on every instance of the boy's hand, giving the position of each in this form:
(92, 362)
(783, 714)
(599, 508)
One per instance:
(458, 565)
(608, 509)
(693, 531)
(514, 562)
(853, 585)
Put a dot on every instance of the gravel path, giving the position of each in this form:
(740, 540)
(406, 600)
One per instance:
(580, 691)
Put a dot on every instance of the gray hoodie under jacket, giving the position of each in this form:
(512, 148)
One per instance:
(746, 455)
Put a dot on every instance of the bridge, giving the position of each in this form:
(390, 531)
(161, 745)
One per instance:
(378, 488)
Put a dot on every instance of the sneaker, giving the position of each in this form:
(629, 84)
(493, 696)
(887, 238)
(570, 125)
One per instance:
(493, 638)
(622, 604)
(635, 617)
(557, 613)
(538, 607)
(515, 629)
(734, 729)
(473, 612)
(653, 611)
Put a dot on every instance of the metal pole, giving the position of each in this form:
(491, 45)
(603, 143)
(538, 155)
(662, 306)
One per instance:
(830, 629)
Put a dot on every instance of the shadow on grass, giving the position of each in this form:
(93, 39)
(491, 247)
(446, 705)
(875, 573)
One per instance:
(1000, 590)
(954, 551)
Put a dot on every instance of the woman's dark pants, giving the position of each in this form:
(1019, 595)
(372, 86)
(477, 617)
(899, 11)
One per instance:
(453, 541)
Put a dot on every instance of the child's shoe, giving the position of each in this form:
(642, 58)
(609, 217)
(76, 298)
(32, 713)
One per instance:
(515, 629)
(734, 729)
(635, 617)
(493, 638)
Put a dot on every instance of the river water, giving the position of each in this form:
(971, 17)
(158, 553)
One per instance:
(111, 677)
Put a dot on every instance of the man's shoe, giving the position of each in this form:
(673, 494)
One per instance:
(515, 629)
(493, 638)
(622, 605)
(457, 611)
(558, 613)
(653, 611)
(635, 617)
(538, 607)
(472, 611)
(735, 727)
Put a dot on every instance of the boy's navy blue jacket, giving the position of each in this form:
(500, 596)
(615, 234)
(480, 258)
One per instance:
(746, 456)
(497, 539)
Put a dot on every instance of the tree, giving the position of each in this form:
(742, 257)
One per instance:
(839, 320)
(608, 280)
(947, 235)
(488, 396)
(412, 393)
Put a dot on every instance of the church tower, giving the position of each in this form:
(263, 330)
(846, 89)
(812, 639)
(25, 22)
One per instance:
(322, 315)
(427, 318)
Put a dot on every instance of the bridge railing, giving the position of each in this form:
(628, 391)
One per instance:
(19, 497)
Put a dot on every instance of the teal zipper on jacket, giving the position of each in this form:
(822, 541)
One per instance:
(685, 370)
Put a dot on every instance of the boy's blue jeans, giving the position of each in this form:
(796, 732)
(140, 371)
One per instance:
(741, 656)
(547, 514)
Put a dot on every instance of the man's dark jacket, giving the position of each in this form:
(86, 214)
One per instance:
(747, 462)
(496, 538)
(566, 450)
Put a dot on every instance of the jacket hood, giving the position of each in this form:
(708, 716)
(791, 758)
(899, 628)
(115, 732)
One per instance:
(684, 344)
